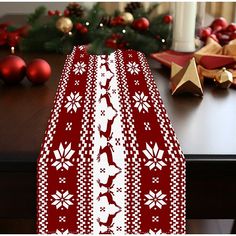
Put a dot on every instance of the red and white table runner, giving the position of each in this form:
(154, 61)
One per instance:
(110, 161)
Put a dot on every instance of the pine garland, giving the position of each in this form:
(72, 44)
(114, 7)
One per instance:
(44, 36)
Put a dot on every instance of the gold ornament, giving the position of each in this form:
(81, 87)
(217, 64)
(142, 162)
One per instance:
(185, 79)
(224, 78)
(128, 18)
(64, 24)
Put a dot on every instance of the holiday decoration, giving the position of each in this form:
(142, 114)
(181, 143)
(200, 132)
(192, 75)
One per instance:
(128, 18)
(133, 6)
(64, 24)
(141, 23)
(186, 79)
(12, 69)
(167, 19)
(74, 9)
(115, 163)
(148, 34)
(224, 78)
(38, 71)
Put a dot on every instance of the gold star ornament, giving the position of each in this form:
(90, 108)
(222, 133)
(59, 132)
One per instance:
(185, 79)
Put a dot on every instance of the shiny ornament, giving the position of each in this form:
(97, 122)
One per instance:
(38, 71)
(224, 78)
(185, 79)
(141, 23)
(231, 27)
(64, 24)
(167, 19)
(219, 22)
(128, 18)
(12, 69)
(205, 32)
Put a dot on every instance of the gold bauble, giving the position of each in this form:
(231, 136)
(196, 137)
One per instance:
(64, 24)
(224, 78)
(128, 18)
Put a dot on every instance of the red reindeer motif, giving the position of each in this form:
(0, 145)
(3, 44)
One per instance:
(107, 85)
(107, 134)
(108, 149)
(109, 221)
(107, 96)
(109, 195)
(109, 184)
(105, 58)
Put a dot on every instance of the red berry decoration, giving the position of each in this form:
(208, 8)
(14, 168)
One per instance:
(12, 69)
(167, 19)
(233, 36)
(66, 12)
(222, 22)
(206, 32)
(231, 27)
(84, 30)
(141, 23)
(38, 71)
(51, 13)
(79, 26)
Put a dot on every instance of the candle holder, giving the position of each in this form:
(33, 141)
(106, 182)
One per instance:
(188, 18)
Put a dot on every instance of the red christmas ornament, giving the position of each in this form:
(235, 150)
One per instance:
(66, 12)
(79, 26)
(167, 19)
(222, 22)
(233, 36)
(231, 27)
(141, 23)
(119, 20)
(51, 13)
(38, 71)
(12, 69)
(3, 37)
(206, 32)
(84, 30)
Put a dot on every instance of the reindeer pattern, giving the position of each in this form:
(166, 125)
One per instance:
(105, 156)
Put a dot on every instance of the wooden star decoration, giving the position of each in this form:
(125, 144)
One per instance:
(185, 79)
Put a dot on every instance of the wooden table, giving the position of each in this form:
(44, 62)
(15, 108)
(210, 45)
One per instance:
(205, 129)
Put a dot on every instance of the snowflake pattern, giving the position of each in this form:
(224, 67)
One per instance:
(141, 102)
(63, 156)
(66, 232)
(154, 156)
(133, 68)
(79, 68)
(155, 199)
(62, 199)
(155, 232)
(73, 102)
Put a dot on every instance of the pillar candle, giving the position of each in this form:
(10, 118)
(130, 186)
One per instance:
(184, 26)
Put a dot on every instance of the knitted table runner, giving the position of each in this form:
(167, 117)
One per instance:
(110, 161)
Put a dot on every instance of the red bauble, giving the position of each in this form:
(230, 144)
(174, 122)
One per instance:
(13, 38)
(66, 12)
(78, 26)
(12, 69)
(84, 30)
(118, 20)
(206, 32)
(233, 36)
(167, 19)
(231, 27)
(38, 71)
(219, 22)
(141, 23)
(111, 43)
(51, 13)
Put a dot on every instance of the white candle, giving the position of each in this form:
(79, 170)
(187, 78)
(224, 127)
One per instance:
(184, 26)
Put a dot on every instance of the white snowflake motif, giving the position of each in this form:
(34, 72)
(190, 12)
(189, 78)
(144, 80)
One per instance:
(79, 68)
(73, 102)
(63, 156)
(66, 232)
(155, 199)
(62, 199)
(133, 68)
(154, 156)
(141, 102)
(155, 232)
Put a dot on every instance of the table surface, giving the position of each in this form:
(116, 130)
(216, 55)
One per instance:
(205, 127)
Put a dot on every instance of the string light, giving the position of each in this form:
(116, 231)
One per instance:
(123, 31)
(87, 23)
(163, 40)
(101, 24)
